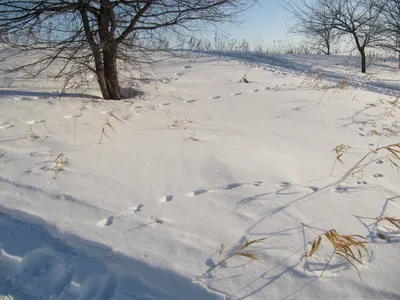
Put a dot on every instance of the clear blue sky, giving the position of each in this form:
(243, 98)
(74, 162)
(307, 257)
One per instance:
(266, 21)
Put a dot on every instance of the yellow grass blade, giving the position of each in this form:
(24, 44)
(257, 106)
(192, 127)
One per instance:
(248, 255)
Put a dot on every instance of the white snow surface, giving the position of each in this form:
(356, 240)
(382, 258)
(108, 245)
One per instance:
(196, 162)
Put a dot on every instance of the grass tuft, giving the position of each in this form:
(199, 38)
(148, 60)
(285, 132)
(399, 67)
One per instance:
(350, 247)
(60, 161)
(243, 251)
(32, 135)
(107, 124)
(339, 150)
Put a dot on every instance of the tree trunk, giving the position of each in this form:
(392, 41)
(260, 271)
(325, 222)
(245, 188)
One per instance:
(107, 27)
(361, 49)
(328, 47)
(96, 54)
(110, 72)
(102, 83)
(363, 61)
(100, 74)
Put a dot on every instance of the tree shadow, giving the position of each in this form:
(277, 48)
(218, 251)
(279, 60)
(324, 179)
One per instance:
(37, 261)
(27, 94)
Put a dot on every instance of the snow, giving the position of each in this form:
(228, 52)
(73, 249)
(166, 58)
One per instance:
(199, 161)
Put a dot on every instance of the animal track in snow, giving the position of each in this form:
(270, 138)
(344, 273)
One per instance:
(73, 116)
(196, 192)
(214, 97)
(189, 101)
(35, 122)
(163, 104)
(131, 210)
(227, 187)
(5, 125)
(341, 189)
(236, 94)
(310, 189)
(167, 198)
(379, 162)
(105, 222)
(254, 91)
(377, 175)
(283, 184)
(236, 185)
(361, 182)
(110, 220)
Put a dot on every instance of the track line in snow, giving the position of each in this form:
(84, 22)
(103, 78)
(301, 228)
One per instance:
(110, 219)
(227, 187)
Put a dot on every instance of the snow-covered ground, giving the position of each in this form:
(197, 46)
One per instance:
(196, 162)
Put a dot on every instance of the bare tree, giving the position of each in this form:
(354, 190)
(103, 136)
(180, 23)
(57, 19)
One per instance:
(311, 21)
(361, 19)
(391, 21)
(92, 35)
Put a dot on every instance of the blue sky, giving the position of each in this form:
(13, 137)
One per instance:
(266, 21)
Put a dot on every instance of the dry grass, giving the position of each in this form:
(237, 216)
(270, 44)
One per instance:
(60, 162)
(179, 124)
(244, 79)
(339, 150)
(392, 154)
(31, 135)
(192, 138)
(316, 81)
(320, 82)
(107, 124)
(350, 247)
(393, 221)
(244, 251)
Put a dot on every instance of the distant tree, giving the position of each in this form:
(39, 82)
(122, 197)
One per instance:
(311, 21)
(391, 21)
(359, 19)
(95, 34)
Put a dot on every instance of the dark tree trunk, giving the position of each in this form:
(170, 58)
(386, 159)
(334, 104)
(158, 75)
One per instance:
(111, 73)
(109, 47)
(103, 84)
(328, 45)
(101, 79)
(363, 61)
(361, 49)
